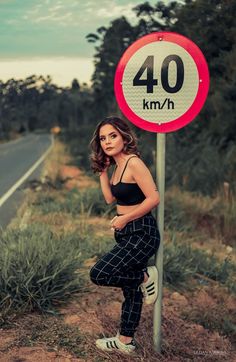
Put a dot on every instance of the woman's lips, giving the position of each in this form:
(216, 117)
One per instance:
(109, 148)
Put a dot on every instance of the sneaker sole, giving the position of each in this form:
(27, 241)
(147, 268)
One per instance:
(105, 348)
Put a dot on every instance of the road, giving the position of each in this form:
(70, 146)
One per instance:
(20, 160)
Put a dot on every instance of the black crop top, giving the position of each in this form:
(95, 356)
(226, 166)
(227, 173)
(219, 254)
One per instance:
(127, 193)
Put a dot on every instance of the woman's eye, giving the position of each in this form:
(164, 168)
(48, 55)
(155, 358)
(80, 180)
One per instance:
(113, 136)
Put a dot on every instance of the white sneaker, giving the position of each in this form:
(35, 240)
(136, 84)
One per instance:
(150, 287)
(114, 344)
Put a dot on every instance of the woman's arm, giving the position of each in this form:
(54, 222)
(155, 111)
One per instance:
(106, 188)
(145, 181)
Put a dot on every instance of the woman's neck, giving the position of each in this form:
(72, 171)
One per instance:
(120, 159)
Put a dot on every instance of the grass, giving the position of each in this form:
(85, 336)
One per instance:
(214, 319)
(185, 211)
(181, 262)
(37, 269)
(75, 202)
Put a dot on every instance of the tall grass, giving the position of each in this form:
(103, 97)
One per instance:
(37, 269)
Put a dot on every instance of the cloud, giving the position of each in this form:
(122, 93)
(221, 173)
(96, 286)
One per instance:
(62, 70)
(12, 21)
(116, 11)
(54, 17)
(46, 13)
(74, 13)
(56, 7)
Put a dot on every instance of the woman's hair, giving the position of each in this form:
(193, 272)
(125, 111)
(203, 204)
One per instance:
(98, 156)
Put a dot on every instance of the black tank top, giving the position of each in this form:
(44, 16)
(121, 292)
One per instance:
(127, 193)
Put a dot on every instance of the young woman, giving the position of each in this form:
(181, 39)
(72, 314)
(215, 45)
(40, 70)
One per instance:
(135, 228)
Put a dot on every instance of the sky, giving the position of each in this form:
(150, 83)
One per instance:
(47, 37)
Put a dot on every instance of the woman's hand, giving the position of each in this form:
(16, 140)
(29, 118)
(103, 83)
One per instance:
(107, 164)
(118, 222)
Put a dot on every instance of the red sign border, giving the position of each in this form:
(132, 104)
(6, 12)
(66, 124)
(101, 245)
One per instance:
(202, 92)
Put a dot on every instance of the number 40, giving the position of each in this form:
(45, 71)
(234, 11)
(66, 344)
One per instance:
(150, 81)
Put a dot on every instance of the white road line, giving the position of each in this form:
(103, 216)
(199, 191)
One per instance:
(26, 175)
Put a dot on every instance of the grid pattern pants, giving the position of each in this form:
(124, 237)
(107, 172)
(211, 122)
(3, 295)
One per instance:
(124, 265)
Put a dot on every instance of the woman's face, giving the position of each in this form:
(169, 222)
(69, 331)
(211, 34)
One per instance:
(111, 140)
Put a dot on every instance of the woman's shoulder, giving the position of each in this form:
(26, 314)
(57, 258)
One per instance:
(132, 156)
(135, 160)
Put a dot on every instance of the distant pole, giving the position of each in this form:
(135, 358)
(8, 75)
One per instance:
(160, 176)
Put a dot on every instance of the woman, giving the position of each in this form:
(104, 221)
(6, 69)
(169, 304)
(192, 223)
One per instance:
(135, 229)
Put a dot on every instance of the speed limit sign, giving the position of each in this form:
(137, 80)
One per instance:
(161, 82)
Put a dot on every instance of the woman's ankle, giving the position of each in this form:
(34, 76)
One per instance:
(125, 339)
(145, 277)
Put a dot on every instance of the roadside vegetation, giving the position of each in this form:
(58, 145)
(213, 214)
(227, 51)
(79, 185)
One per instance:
(58, 235)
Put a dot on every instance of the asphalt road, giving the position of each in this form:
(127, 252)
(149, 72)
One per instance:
(16, 159)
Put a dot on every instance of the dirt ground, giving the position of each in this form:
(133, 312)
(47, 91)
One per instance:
(95, 313)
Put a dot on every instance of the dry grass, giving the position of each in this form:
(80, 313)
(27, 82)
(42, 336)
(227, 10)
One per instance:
(58, 156)
(210, 217)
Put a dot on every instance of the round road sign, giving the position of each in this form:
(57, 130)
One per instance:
(161, 82)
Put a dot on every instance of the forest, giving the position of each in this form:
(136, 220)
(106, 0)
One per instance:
(200, 157)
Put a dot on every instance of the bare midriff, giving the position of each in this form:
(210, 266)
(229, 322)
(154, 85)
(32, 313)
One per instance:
(123, 209)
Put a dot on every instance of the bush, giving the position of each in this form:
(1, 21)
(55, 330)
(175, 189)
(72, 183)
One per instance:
(37, 269)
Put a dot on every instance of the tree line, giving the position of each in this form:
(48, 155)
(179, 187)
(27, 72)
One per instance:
(202, 155)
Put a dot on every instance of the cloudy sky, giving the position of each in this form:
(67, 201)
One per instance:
(48, 36)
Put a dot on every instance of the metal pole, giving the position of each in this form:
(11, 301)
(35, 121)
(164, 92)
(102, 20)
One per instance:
(160, 168)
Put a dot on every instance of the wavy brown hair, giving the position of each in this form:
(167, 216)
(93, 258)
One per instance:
(98, 156)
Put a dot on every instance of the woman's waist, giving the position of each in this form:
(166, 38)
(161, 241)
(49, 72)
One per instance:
(125, 209)
(149, 213)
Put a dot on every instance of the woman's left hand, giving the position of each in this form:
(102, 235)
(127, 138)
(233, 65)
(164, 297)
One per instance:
(118, 222)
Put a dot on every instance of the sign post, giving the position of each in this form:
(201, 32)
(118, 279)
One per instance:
(161, 84)
(160, 177)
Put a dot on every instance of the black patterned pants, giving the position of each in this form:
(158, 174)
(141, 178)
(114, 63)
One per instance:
(124, 265)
